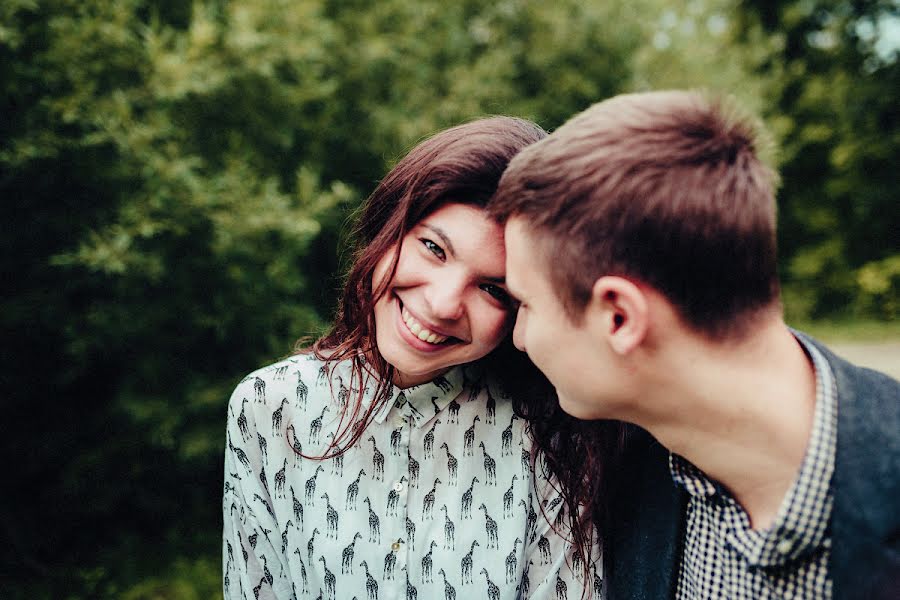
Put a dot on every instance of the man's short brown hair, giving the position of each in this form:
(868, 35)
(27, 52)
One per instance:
(666, 188)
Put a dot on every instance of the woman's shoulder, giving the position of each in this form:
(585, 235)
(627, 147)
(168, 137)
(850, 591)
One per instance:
(290, 376)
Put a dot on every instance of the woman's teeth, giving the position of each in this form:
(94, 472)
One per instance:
(420, 332)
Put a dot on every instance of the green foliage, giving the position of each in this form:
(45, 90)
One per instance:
(834, 108)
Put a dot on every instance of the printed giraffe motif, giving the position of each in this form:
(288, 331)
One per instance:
(267, 575)
(347, 555)
(526, 462)
(578, 565)
(490, 467)
(311, 544)
(490, 419)
(560, 515)
(322, 375)
(469, 438)
(280, 372)
(259, 386)
(352, 492)
(526, 579)
(506, 438)
(371, 584)
(331, 519)
(544, 549)
(330, 579)
(280, 479)
(315, 427)
(449, 530)
(413, 468)
(493, 592)
(453, 412)
(304, 581)
(377, 461)
(465, 565)
(411, 533)
(390, 561)
(284, 535)
(263, 480)
(277, 417)
(428, 502)
(443, 384)
(337, 462)
(243, 426)
(240, 455)
(311, 486)
(429, 439)
(531, 522)
(465, 509)
(427, 564)
(598, 583)
(437, 408)
(396, 438)
(411, 592)
(343, 393)
(561, 588)
(512, 562)
(452, 465)
(449, 592)
(257, 588)
(508, 498)
(374, 526)
(265, 503)
(298, 508)
(302, 392)
(490, 527)
(393, 498)
(296, 446)
(263, 447)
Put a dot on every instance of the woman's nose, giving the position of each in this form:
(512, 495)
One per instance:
(446, 298)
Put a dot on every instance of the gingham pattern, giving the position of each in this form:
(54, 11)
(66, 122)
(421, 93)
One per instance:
(724, 558)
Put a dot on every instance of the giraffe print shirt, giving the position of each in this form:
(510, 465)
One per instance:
(437, 498)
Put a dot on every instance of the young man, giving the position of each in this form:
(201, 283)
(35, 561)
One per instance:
(640, 240)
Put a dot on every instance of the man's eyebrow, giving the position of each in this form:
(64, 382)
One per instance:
(440, 233)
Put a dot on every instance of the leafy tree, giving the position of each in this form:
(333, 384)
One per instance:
(834, 106)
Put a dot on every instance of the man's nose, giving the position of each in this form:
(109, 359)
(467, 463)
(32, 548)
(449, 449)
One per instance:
(519, 331)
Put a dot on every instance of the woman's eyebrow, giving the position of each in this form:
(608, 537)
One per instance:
(440, 233)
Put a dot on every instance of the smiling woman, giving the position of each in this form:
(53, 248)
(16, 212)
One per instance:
(405, 407)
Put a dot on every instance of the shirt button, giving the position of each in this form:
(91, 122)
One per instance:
(399, 422)
(398, 486)
(784, 546)
(395, 546)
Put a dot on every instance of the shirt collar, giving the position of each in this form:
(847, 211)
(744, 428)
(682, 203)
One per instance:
(801, 524)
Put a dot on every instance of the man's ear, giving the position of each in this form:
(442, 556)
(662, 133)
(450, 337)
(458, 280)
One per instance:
(619, 312)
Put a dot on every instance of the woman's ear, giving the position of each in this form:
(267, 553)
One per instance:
(619, 313)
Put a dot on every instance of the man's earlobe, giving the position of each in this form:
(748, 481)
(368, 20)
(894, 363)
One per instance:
(621, 311)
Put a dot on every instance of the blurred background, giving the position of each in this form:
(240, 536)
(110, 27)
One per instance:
(175, 178)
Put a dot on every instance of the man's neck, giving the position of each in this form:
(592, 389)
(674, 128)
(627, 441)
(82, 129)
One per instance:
(742, 413)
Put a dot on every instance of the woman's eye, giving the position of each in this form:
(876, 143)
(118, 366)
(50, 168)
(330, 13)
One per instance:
(498, 293)
(434, 248)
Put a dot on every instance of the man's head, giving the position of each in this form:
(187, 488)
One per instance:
(663, 192)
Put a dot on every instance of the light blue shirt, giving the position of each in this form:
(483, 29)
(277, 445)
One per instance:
(437, 499)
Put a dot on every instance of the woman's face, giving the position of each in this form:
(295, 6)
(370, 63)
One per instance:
(447, 303)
